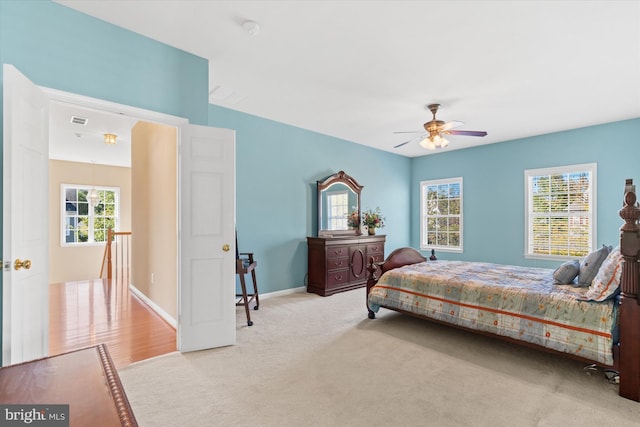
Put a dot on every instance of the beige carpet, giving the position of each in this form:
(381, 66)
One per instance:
(313, 361)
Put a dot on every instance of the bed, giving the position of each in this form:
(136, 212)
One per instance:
(598, 324)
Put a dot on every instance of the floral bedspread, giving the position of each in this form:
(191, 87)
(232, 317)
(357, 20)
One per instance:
(517, 302)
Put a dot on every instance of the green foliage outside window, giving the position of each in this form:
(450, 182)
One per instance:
(560, 213)
(85, 223)
(442, 213)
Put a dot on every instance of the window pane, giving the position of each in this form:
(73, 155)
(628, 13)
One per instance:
(540, 203)
(454, 207)
(431, 238)
(559, 211)
(442, 214)
(85, 223)
(443, 207)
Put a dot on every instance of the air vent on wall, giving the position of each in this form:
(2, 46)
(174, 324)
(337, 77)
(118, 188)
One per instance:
(79, 120)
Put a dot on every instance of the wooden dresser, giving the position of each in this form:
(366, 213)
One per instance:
(338, 264)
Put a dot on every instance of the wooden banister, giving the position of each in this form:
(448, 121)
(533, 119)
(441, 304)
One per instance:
(122, 251)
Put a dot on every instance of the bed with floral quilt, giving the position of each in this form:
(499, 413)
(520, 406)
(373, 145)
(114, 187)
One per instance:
(585, 309)
(521, 303)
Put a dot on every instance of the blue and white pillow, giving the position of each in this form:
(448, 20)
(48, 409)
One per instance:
(591, 264)
(566, 273)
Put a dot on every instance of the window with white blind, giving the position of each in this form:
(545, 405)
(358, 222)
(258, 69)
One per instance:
(441, 215)
(560, 211)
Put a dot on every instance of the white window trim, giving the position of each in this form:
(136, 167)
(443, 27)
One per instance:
(63, 223)
(585, 167)
(423, 246)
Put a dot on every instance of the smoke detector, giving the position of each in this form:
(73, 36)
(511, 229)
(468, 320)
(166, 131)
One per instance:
(251, 27)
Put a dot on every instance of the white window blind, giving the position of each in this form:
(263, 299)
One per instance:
(560, 211)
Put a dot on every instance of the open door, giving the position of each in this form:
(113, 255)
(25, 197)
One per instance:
(25, 289)
(206, 290)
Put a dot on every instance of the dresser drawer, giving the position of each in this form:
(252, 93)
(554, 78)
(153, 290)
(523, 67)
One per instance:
(375, 248)
(376, 257)
(337, 263)
(337, 277)
(337, 252)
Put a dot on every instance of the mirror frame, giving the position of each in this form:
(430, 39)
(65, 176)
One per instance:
(343, 178)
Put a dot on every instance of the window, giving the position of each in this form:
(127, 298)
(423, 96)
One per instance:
(83, 223)
(441, 214)
(337, 209)
(560, 215)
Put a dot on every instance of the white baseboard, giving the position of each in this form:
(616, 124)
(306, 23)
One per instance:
(282, 292)
(155, 307)
(170, 320)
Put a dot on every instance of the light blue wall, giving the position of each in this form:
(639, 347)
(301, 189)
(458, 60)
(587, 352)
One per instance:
(277, 165)
(277, 170)
(494, 185)
(57, 47)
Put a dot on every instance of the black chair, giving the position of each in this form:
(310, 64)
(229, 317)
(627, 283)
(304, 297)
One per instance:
(246, 264)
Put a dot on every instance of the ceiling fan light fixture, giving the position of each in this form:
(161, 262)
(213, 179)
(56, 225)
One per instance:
(110, 138)
(428, 144)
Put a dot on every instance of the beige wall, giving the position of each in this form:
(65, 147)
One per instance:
(68, 264)
(154, 223)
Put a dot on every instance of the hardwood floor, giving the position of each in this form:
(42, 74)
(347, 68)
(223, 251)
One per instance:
(87, 313)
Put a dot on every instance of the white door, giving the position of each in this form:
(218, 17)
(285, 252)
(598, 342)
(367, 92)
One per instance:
(206, 290)
(25, 290)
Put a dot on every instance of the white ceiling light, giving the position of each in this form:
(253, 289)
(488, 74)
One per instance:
(251, 27)
(110, 138)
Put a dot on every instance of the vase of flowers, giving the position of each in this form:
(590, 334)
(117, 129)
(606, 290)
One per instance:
(373, 219)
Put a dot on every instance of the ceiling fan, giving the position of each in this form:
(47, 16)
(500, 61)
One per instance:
(436, 129)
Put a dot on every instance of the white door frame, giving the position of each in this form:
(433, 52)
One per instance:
(101, 105)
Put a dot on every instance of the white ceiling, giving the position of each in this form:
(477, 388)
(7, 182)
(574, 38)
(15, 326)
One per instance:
(360, 70)
(85, 143)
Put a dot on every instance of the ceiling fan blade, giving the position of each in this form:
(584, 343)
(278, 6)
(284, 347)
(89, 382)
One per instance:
(466, 132)
(450, 125)
(406, 142)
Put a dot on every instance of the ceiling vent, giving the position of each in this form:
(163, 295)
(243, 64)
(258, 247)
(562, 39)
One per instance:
(79, 120)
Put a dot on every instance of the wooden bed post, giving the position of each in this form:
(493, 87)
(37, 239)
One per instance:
(372, 268)
(629, 364)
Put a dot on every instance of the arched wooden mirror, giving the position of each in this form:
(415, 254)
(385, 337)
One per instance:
(338, 199)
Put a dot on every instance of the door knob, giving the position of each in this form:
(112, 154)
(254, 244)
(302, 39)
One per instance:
(225, 247)
(26, 264)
